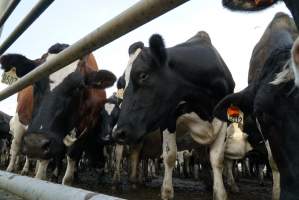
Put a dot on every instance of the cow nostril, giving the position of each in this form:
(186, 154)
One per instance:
(45, 143)
(120, 135)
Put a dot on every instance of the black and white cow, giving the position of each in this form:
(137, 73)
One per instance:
(5, 137)
(175, 87)
(272, 99)
(4, 125)
(67, 102)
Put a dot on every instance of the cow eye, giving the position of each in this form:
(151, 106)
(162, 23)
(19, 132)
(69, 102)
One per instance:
(143, 76)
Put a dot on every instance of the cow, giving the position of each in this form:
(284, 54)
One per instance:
(18, 125)
(256, 5)
(271, 98)
(175, 87)
(5, 137)
(66, 103)
(4, 125)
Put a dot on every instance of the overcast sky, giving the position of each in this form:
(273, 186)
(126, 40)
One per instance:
(233, 34)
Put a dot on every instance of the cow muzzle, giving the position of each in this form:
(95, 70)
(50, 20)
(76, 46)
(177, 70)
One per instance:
(120, 135)
(37, 146)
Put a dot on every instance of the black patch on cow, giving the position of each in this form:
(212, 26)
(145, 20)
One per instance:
(58, 47)
(157, 48)
(22, 64)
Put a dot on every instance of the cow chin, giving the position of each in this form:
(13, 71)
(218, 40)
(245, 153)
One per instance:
(41, 146)
(127, 135)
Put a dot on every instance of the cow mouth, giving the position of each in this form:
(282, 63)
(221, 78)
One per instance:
(39, 146)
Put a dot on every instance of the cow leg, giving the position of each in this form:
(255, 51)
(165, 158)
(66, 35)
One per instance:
(42, 169)
(70, 171)
(57, 170)
(18, 130)
(134, 159)
(25, 169)
(169, 158)
(275, 174)
(261, 174)
(230, 177)
(217, 159)
(118, 158)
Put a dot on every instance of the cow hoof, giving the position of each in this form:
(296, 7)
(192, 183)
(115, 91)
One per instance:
(167, 193)
(234, 189)
(24, 172)
(67, 181)
(9, 169)
(54, 179)
(134, 186)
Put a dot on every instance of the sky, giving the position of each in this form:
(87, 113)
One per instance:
(233, 34)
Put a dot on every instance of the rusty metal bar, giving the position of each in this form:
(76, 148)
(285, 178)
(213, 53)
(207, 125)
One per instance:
(137, 15)
(36, 11)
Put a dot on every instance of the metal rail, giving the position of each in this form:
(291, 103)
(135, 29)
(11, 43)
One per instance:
(137, 15)
(34, 189)
(13, 4)
(36, 11)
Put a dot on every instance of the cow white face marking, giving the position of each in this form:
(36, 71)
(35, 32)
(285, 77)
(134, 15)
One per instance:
(132, 58)
(109, 107)
(41, 127)
(57, 77)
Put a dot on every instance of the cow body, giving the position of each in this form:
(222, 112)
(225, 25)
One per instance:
(271, 98)
(66, 102)
(174, 88)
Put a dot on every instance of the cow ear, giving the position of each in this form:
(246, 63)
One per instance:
(101, 79)
(157, 48)
(135, 46)
(22, 64)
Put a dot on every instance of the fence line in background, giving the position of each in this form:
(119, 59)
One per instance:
(135, 16)
(35, 12)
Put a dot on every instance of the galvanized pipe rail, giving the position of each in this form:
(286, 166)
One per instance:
(11, 7)
(36, 11)
(135, 16)
(34, 189)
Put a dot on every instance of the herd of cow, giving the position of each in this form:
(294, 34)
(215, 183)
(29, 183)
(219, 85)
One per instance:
(168, 100)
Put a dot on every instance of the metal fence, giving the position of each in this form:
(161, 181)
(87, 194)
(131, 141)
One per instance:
(130, 19)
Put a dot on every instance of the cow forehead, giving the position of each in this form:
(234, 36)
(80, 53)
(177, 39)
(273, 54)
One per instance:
(128, 70)
(109, 107)
(57, 77)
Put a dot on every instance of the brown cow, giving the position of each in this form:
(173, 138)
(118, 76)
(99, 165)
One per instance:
(66, 102)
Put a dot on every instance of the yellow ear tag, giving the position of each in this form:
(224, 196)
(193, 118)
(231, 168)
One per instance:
(120, 93)
(9, 77)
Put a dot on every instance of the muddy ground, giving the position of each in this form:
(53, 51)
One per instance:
(185, 189)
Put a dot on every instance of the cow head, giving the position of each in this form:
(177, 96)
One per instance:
(109, 116)
(58, 113)
(248, 5)
(149, 91)
(64, 102)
